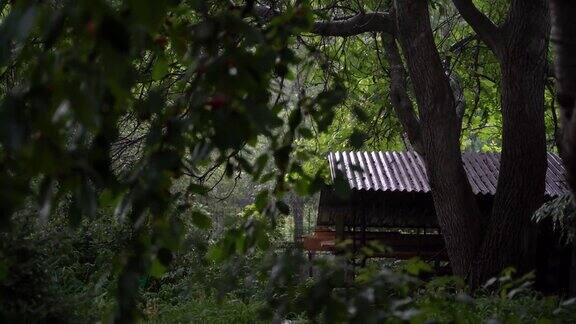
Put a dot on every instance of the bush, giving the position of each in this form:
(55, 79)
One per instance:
(54, 272)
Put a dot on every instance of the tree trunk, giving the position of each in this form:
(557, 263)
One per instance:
(510, 235)
(456, 207)
(297, 207)
(564, 40)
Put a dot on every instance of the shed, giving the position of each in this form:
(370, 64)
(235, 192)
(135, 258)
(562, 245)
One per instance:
(386, 196)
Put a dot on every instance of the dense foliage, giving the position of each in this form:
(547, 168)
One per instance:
(148, 150)
(125, 110)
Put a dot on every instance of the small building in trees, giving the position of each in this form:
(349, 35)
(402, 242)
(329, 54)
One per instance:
(386, 197)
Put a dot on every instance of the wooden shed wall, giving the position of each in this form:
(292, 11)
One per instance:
(383, 209)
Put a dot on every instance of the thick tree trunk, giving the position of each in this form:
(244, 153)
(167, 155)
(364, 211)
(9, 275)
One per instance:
(510, 236)
(456, 207)
(564, 40)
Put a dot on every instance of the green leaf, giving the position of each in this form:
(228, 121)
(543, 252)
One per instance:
(283, 207)
(360, 114)
(267, 177)
(261, 200)
(149, 13)
(216, 254)
(357, 138)
(282, 157)
(305, 132)
(415, 267)
(160, 68)
(259, 166)
(201, 220)
(244, 164)
(295, 119)
(198, 188)
(158, 269)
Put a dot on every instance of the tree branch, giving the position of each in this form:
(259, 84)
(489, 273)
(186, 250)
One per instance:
(361, 23)
(399, 94)
(456, 208)
(355, 25)
(458, 91)
(482, 25)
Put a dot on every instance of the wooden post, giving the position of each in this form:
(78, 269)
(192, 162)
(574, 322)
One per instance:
(339, 228)
(572, 274)
(363, 237)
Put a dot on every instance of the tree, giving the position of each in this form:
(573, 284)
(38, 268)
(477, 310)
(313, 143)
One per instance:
(132, 104)
(564, 40)
(478, 246)
(520, 45)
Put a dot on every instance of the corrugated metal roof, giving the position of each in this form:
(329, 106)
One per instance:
(406, 171)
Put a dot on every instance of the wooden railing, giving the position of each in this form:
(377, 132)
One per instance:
(399, 245)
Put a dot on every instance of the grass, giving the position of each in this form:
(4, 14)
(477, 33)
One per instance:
(526, 309)
(208, 311)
